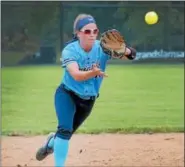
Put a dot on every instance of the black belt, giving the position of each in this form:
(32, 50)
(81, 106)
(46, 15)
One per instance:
(73, 93)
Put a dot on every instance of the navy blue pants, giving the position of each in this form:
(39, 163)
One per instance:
(71, 111)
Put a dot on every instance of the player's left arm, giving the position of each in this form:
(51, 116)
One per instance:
(130, 54)
(114, 45)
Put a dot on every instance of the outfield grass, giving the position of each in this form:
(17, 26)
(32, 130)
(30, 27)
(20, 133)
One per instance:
(133, 99)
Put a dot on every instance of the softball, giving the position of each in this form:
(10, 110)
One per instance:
(151, 18)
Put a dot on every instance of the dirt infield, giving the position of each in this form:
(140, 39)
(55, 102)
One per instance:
(101, 150)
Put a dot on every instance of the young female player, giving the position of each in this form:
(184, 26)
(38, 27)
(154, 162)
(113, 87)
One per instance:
(84, 62)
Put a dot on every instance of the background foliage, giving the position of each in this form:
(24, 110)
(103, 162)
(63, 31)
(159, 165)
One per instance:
(26, 26)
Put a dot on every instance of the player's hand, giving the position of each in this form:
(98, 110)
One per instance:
(97, 71)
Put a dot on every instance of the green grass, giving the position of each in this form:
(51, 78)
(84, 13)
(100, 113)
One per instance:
(133, 99)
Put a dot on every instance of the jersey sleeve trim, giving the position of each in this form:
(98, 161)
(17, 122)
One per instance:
(68, 57)
(64, 64)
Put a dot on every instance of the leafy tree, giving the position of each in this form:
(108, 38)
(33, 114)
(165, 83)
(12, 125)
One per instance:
(31, 24)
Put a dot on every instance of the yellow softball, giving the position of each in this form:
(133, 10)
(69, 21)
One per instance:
(151, 17)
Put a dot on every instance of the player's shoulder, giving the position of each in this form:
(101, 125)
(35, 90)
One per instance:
(71, 46)
(98, 46)
(101, 52)
(97, 43)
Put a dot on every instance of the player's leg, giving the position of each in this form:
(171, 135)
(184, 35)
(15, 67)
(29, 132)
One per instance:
(47, 148)
(83, 110)
(65, 110)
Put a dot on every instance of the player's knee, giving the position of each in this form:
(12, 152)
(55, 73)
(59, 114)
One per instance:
(64, 134)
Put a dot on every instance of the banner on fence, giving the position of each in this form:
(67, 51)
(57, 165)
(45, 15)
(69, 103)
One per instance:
(158, 54)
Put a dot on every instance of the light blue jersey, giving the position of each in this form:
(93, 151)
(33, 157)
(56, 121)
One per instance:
(74, 53)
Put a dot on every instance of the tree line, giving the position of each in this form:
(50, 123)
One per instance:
(27, 25)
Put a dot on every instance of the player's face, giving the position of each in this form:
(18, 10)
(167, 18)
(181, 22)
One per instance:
(88, 34)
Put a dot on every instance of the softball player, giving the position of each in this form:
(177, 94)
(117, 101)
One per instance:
(84, 62)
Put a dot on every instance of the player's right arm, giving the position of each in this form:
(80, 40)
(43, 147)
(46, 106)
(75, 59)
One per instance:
(69, 61)
(78, 75)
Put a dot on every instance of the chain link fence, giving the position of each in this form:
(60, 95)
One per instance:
(35, 32)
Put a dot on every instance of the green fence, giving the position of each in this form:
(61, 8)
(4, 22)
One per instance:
(28, 28)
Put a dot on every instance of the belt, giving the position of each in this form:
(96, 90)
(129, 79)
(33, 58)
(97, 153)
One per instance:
(80, 96)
